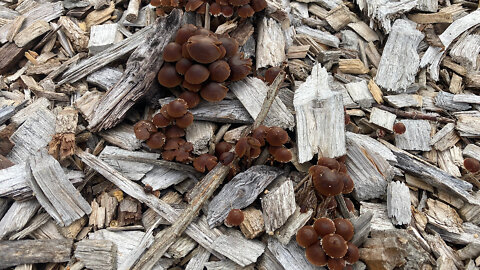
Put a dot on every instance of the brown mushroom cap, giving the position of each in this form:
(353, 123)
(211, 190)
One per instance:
(348, 184)
(245, 11)
(230, 45)
(344, 228)
(239, 67)
(177, 108)
(324, 226)
(173, 143)
(227, 11)
(248, 146)
(227, 158)
(183, 65)
(191, 98)
(399, 128)
(204, 162)
(181, 151)
(325, 181)
(330, 163)
(197, 74)
(185, 53)
(155, 3)
(184, 121)
(215, 9)
(352, 255)
(276, 136)
(143, 129)
(168, 77)
(160, 120)
(342, 168)
(203, 49)
(235, 217)
(156, 141)
(271, 74)
(258, 5)
(334, 245)
(280, 153)
(191, 87)
(187, 30)
(213, 92)
(222, 147)
(350, 205)
(336, 264)
(260, 133)
(315, 254)
(472, 165)
(306, 236)
(193, 5)
(219, 71)
(172, 52)
(174, 132)
(237, 3)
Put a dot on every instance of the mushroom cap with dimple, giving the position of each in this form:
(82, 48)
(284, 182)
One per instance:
(334, 245)
(325, 181)
(143, 129)
(204, 162)
(277, 136)
(156, 141)
(203, 49)
(177, 108)
(185, 32)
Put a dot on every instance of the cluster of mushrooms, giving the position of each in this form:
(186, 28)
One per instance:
(326, 243)
(203, 64)
(225, 8)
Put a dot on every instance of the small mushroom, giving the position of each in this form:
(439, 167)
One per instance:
(156, 141)
(399, 128)
(306, 236)
(248, 146)
(174, 132)
(143, 129)
(227, 11)
(330, 163)
(168, 77)
(334, 245)
(213, 92)
(215, 9)
(271, 74)
(197, 74)
(350, 205)
(280, 153)
(230, 45)
(184, 121)
(193, 5)
(260, 133)
(177, 108)
(325, 181)
(336, 264)
(183, 65)
(226, 158)
(258, 5)
(352, 255)
(204, 162)
(219, 71)
(276, 136)
(472, 165)
(191, 87)
(239, 67)
(203, 49)
(245, 11)
(235, 217)
(238, 3)
(315, 254)
(191, 98)
(172, 52)
(348, 184)
(324, 226)
(161, 121)
(181, 153)
(344, 228)
(222, 147)
(186, 31)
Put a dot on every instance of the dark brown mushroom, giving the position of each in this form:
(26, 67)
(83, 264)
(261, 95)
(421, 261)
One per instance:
(204, 162)
(159, 120)
(219, 71)
(344, 228)
(215, 9)
(260, 133)
(226, 158)
(227, 11)
(143, 129)
(177, 108)
(184, 121)
(352, 255)
(197, 74)
(280, 153)
(183, 65)
(187, 30)
(315, 254)
(185, 53)
(330, 163)
(239, 67)
(472, 165)
(334, 245)
(336, 264)
(230, 45)
(191, 98)
(324, 226)
(258, 5)
(155, 3)
(222, 147)
(325, 181)
(248, 146)
(350, 205)
(399, 128)
(172, 52)
(276, 136)
(174, 132)
(168, 77)
(213, 92)
(235, 217)
(348, 184)
(193, 5)
(156, 141)
(245, 11)
(306, 236)
(191, 87)
(203, 49)
(271, 74)
(181, 153)
(238, 3)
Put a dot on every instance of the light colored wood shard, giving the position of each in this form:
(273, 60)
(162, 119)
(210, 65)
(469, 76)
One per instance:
(298, 51)
(240, 192)
(103, 36)
(270, 44)
(382, 118)
(339, 17)
(472, 80)
(97, 254)
(456, 85)
(252, 92)
(404, 100)
(380, 220)
(32, 109)
(468, 123)
(363, 30)
(398, 203)
(200, 257)
(293, 224)
(470, 212)
(352, 66)
(384, 12)
(319, 36)
(371, 144)
(427, 5)
(375, 91)
(278, 205)
(320, 118)
(31, 32)
(434, 55)
(20, 252)
(75, 34)
(53, 190)
(104, 78)
(446, 163)
(416, 136)
(17, 217)
(199, 133)
(290, 256)
(253, 224)
(33, 134)
(225, 111)
(369, 171)
(246, 251)
(426, 18)
(15, 27)
(467, 98)
(86, 104)
(122, 136)
(160, 178)
(181, 247)
(466, 50)
(445, 101)
(340, 87)
(445, 138)
(443, 216)
(360, 93)
(399, 63)
(472, 150)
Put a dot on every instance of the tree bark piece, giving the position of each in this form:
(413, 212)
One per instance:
(416, 136)
(225, 111)
(102, 37)
(97, 254)
(398, 203)
(278, 205)
(289, 256)
(293, 224)
(270, 44)
(31, 32)
(17, 217)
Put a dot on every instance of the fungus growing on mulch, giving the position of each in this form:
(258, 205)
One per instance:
(225, 8)
(324, 226)
(235, 218)
(204, 162)
(472, 165)
(306, 236)
(399, 128)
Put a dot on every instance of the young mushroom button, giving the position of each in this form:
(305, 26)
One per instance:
(334, 245)
(306, 236)
(235, 217)
(315, 255)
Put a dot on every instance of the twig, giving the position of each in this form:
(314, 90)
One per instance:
(269, 98)
(414, 115)
(305, 179)
(207, 16)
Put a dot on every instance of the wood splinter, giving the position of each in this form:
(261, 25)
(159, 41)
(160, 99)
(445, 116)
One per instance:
(62, 144)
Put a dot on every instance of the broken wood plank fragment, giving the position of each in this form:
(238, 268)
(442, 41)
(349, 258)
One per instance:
(416, 136)
(253, 224)
(426, 18)
(97, 254)
(363, 30)
(293, 224)
(360, 93)
(445, 138)
(105, 78)
(102, 37)
(31, 32)
(382, 118)
(289, 256)
(398, 203)
(17, 216)
(278, 205)
(352, 66)
(270, 49)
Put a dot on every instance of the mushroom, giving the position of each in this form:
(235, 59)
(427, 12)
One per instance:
(325, 181)
(239, 67)
(193, 5)
(344, 228)
(352, 255)
(160, 120)
(248, 146)
(260, 133)
(315, 254)
(245, 11)
(350, 205)
(222, 147)
(227, 11)
(271, 74)
(168, 77)
(213, 92)
(336, 264)
(215, 9)
(184, 121)
(235, 217)
(197, 74)
(174, 132)
(183, 65)
(172, 52)
(472, 165)
(334, 245)
(306, 236)
(280, 153)
(348, 184)
(238, 3)
(342, 168)
(191, 87)
(324, 226)
(399, 128)
(187, 30)
(330, 163)
(230, 45)
(226, 158)
(191, 98)
(181, 153)
(204, 162)
(156, 141)
(203, 49)
(276, 136)
(143, 129)
(219, 71)
(258, 5)
(177, 108)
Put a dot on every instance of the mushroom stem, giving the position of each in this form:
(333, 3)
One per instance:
(269, 98)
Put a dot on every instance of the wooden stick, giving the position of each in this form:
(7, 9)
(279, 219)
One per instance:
(207, 16)
(132, 10)
(414, 115)
(269, 98)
